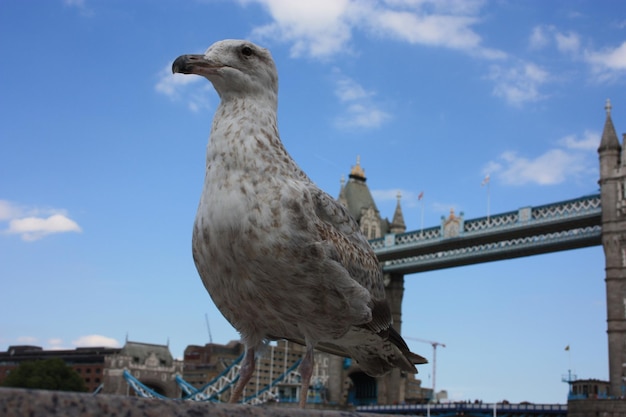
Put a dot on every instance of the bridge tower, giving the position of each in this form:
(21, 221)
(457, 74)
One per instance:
(356, 196)
(613, 196)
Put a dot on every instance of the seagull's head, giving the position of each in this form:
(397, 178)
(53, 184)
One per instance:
(234, 67)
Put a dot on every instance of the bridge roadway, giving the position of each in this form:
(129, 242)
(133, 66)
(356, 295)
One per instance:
(470, 409)
(564, 225)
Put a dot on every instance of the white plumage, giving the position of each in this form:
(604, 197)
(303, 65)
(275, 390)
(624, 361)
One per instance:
(280, 258)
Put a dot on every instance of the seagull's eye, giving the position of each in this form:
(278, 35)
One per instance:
(246, 51)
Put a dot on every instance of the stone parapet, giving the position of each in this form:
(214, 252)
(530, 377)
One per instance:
(39, 403)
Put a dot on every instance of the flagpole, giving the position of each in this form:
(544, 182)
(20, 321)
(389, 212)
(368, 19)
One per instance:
(488, 199)
(487, 182)
(420, 197)
(569, 357)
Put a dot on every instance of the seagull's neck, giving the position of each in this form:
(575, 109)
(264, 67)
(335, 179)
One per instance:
(244, 136)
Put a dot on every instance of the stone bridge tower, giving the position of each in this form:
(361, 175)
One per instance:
(395, 387)
(613, 197)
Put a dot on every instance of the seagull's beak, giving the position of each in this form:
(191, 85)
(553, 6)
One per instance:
(195, 64)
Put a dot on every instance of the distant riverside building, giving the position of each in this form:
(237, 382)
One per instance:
(152, 364)
(88, 361)
(589, 388)
(203, 363)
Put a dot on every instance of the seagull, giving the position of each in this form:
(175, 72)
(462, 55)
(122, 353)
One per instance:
(280, 258)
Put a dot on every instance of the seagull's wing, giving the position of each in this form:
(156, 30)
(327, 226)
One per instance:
(341, 233)
(346, 244)
(339, 230)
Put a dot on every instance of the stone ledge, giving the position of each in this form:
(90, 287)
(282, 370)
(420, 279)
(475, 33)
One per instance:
(39, 403)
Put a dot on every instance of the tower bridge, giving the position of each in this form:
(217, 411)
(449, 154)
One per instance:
(593, 220)
(529, 231)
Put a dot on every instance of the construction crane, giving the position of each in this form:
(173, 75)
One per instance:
(434, 345)
(208, 327)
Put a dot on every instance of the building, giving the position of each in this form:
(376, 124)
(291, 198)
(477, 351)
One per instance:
(102, 367)
(204, 363)
(153, 365)
(89, 362)
(588, 388)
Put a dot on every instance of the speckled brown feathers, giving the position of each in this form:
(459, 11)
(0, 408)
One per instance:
(280, 257)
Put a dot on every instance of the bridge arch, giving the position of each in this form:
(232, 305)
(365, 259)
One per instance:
(364, 389)
(155, 386)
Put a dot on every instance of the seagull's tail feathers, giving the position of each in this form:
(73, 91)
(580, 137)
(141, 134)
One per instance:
(377, 354)
(377, 357)
(380, 360)
(412, 358)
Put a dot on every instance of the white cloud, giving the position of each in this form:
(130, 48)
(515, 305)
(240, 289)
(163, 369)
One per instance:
(316, 29)
(361, 111)
(74, 3)
(172, 84)
(442, 6)
(518, 84)
(588, 142)
(9, 210)
(80, 5)
(56, 344)
(550, 168)
(184, 87)
(34, 228)
(95, 340)
(539, 38)
(543, 36)
(362, 115)
(571, 160)
(35, 223)
(567, 43)
(608, 63)
(435, 30)
(324, 28)
(348, 90)
(27, 340)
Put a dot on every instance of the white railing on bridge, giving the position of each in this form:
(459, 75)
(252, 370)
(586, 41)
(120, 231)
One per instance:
(498, 408)
(500, 246)
(524, 216)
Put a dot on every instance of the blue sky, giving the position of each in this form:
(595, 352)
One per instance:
(102, 160)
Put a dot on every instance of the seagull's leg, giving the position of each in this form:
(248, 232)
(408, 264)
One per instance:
(245, 373)
(306, 370)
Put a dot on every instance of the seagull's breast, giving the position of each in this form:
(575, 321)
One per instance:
(242, 242)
